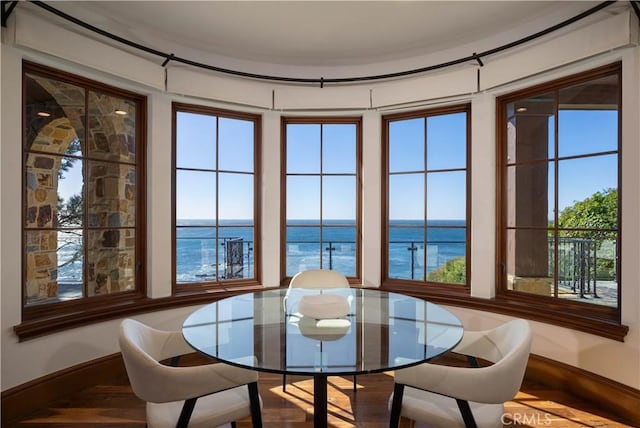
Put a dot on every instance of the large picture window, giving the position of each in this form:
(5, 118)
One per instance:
(321, 195)
(216, 233)
(425, 192)
(559, 221)
(83, 193)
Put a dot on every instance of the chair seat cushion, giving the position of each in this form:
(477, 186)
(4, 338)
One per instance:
(210, 411)
(439, 411)
(324, 306)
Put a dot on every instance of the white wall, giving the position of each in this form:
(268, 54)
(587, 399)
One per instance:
(34, 358)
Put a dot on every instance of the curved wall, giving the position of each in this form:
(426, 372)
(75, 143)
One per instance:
(612, 38)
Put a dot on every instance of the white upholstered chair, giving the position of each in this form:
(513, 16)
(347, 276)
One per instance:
(318, 278)
(445, 396)
(208, 395)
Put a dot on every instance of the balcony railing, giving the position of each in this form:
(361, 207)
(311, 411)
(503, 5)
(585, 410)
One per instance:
(582, 262)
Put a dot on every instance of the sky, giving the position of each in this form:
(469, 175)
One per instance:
(579, 131)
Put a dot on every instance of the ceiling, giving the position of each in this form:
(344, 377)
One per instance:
(251, 34)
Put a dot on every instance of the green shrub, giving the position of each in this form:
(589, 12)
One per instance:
(453, 272)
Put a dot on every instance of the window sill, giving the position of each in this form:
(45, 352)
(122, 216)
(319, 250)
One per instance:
(55, 323)
(554, 315)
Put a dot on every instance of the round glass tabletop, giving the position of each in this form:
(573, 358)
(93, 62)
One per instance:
(344, 331)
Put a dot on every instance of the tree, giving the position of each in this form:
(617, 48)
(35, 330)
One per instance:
(453, 271)
(70, 213)
(598, 212)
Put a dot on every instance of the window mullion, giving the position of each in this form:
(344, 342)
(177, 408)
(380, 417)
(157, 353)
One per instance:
(321, 176)
(85, 194)
(425, 217)
(556, 197)
(217, 196)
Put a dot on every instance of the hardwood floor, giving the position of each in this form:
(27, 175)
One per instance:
(113, 405)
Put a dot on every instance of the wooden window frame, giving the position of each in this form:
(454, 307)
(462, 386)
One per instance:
(591, 318)
(322, 120)
(47, 317)
(425, 289)
(218, 288)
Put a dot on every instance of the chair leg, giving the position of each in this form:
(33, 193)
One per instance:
(185, 413)
(254, 402)
(396, 405)
(467, 416)
(284, 382)
(354, 383)
(233, 424)
(473, 361)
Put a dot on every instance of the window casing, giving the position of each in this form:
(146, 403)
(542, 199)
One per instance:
(559, 196)
(426, 191)
(83, 194)
(321, 195)
(216, 228)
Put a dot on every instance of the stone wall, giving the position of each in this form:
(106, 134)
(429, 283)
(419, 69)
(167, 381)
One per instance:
(42, 208)
(108, 164)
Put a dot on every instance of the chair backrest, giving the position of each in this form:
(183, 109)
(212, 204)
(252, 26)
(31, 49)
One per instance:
(512, 344)
(319, 278)
(507, 346)
(142, 348)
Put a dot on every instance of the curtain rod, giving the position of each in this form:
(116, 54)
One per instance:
(321, 81)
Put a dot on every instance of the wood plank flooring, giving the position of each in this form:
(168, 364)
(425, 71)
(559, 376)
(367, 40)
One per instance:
(114, 405)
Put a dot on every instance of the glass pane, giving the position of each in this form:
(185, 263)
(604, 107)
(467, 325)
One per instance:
(338, 198)
(112, 128)
(446, 252)
(447, 195)
(530, 128)
(447, 141)
(530, 261)
(195, 141)
(197, 231)
(303, 148)
(53, 191)
(303, 198)
(339, 249)
(530, 195)
(195, 195)
(70, 264)
(111, 261)
(196, 257)
(406, 197)
(54, 263)
(582, 185)
(235, 198)
(588, 117)
(587, 131)
(406, 145)
(236, 145)
(406, 249)
(587, 267)
(111, 195)
(236, 250)
(303, 248)
(339, 148)
(54, 115)
(70, 204)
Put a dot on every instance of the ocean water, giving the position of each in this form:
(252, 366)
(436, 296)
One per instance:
(200, 258)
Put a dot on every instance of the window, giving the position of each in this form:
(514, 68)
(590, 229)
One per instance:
(321, 195)
(559, 223)
(83, 193)
(425, 196)
(216, 198)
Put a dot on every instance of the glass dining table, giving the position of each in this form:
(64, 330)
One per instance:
(264, 331)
